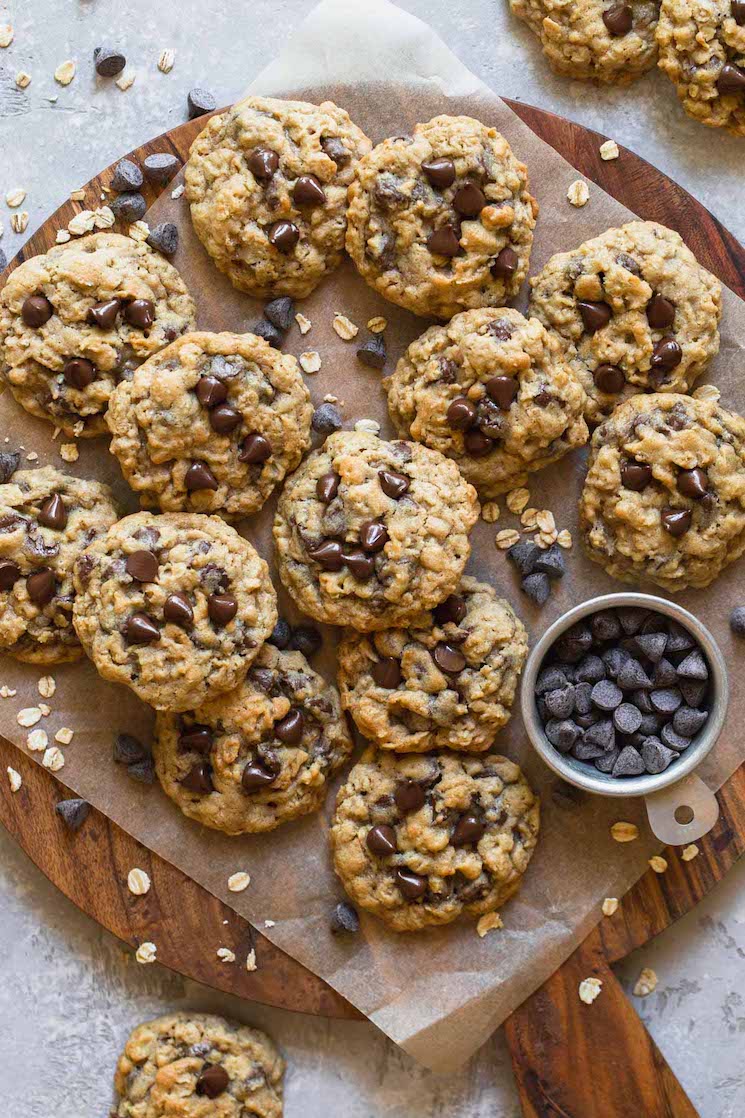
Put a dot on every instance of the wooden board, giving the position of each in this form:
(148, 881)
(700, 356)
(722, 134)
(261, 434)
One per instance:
(554, 1038)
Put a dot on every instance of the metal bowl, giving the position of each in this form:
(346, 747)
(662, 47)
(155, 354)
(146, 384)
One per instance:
(586, 776)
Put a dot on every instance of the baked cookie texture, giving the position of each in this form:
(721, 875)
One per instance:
(369, 533)
(259, 756)
(592, 39)
(442, 221)
(420, 839)
(664, 496)
(448, 680)
(636, 311)
(46, 519)
(702, 51)
(174, 606)
(78, 319)
(494, 392)
(197, 1065)
(211, 424)
(267, 183)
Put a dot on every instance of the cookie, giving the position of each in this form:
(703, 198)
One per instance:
(442, 221)
(259, 756)
(267, 183)
(494, 392)
(702, 51)
(636, 311)
(211, 424)
(79, 318)
(197, 1064)
(174, 606)
(446, 681)
(369, 533)
(418, 840)
(592, 39)
(664, 496)
(46, 519)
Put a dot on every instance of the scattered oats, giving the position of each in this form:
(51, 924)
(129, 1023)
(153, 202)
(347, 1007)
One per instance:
(53, 759)
(329, 398)
(65, 72)
(269, 923)
(138, 882)
(237, 882)
(578, 193)
(82, 223)
(32, 456)
(589, 989)
(64, 735)
(68, 452)
(47, 686)
(125, 81)
(528, 519)
(646, 983)
(304, 324)
(488, 922)
(370, 425)
(564, 538)
(18, 222)
(610, 905)
(23, 79)
(251, 960)
(690, 853)
(37, 741)
(225, 955)
(77, 195)
(624, 832)
(490, 512)
(506, 538)
(63, 237)
(166, 60)
(545, 521)
(178, 191)
(706, 392)
(6, 35)
(14, 778)
(15, 196)
(344, 328)
(139, 230)
(546, 539)
(377, 325)
(146, 953)
(658, 863)
(45, 710)
(28, 717)
(517, 499)
(310, 361)
(609, 150)
(7, 692)
(103, 217)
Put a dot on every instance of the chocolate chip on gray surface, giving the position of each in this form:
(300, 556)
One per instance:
(160, 167)
(656, 756)
(344, 919)
(373, 352)
(164, 238)
(127, 176)
(200, 101)
(73, 813)
(108, 61)
(628, 763)
(537, 586)
(128, 207)
(524, 556)
(326, 419)
(605, 626)
(673, 740)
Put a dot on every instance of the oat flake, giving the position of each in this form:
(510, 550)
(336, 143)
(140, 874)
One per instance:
(62, 237)
(14, 778)
(23, 79)
(82, 223)
(28, 717)
(690, 852)
(18, 222)
(251, 960)
(64, 735)
(517, 499)
(226, 955)
(489, 921)
(237, 882)
(47, 686)
(139, 231)
(68, 452)
(65, 72)
(6, 35)
(609, 150)
(564, 538)
(37, 741)
(310, 361)
(646, 983)
(658, 863)
(490, 512)
(146, 953)
(507, 538)
(138, 882)
(589, 989)
(610, 905)
(125, 81)
(624, 832)
(53, 759)
(578, 193)
(370, 425)
(166, 60)
(15, 197)
(344, 327)
(377, 325)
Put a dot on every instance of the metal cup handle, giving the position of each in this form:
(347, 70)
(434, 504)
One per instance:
(689, 799)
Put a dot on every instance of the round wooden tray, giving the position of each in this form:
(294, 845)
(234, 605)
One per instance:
(553, 1037)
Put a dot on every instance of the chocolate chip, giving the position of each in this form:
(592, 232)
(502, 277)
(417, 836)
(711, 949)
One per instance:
(140, 629)
(605, 626)
(631, 675)
(605, 763)
(550, 562)
(562, 733)
(344, 919)
(602, 735)
(386, 672)
(335, 150)
(10, 572)
(140, 313)
(614, 659)
(108, 61)
(694, 666)
(177, 609)
(537, 586)
(651, 645)
(224, 419)
(127, 176)
(469, 200)
(444, 241)
(129, 206)
(594, 315)
(674, 740)
(79, 372)
(575, 642)
(591, 669)
(373, 535)
(583, 698)
(142, 771)
(256, 775)
(362, 566)
(440, 172)
(280, 635)
(200, 476)
(664, 674)
(505, 265)
(676, 521)
(468, 830)
(280, 312)
(609, 378)
(666, 700)
(693, 483)
(477, 443)
(308, 192)
(36, 310)
(461, 414)
(255, 449)
(41, 586)
(737, 617)
(53, 513)
(212, 1081)
(211, 391)
(619, 19)
(628, 763)
(687, 721)
(738, 12)
(632, 618)
(199, 102)
(550, 679)
(290, 728)
(160, 167)
(524, 555)
(660, 312)
(731, 79)
(411, 884)
(606, 695)
(451, 611)
(327, 487)
(627, 718)
(327, 554)
(502, 390)
(656, 756)
(381, 840)
(73, 813)
(9, 460)
(409, 796)
(693, 691)
(326, 419)
(590, 751)
(128, 749)
(666, 354)
(142, 566)
(448, 659)
(306, 639)
(635, 475)
(560, 703)
(393, 484)
(104, 314)
(283, 235)
(196, 738)
(373, 352)
(164, 238)
(266, 330)
(222, 608)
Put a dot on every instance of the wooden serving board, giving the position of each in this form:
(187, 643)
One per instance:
(553, 1037)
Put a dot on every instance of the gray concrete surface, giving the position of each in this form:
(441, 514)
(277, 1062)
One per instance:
(69, 992)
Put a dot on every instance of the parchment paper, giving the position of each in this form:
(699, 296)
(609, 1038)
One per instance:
(439, 994)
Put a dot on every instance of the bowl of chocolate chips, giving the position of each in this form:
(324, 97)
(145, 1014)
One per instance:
(625, 694)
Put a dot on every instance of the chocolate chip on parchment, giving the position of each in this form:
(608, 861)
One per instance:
(373, 352)
(73, 812)
(160, 167)
(306, 639)
(537, 586)
(9, 460)
(199, 102)
(142, 771)
(381, 840)
(550, 562)
(108, 61)
(164, 238)
(344, 919)
(268, 331)
(129, 206)
(127, 176)
(280, 312)
(128, 749)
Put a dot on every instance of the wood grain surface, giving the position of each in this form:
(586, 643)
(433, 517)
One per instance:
(554, 1037)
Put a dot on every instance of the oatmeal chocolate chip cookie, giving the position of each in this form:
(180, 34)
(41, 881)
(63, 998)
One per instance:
(664, 496)
(369, 533)
(80, 318)
(636, 311)
(212, 423)
(419, 839)
(196, 1064)
(702, 51)
(267, 182)
(174, 606)
(494, 392)
(442, 220)
(259, 756)
(609, 42)
(46, 519)
(446, 681)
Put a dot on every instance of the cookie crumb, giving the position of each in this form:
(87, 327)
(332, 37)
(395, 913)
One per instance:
(6, 35)
(609, 150)
(610, 905)
(344, 327)
(138, 882)
(178, 191)
(624, 832)
(578, 193)
(646, 983)
(488, 922)
(370, 425)
(310, 361)
(14, 779)
(23, 79)
(225, 955)
(83, 222)
(658, 863)
(251, 960)
(269, 923)
(166, 59)
(7, 692)
(62, 237)
(126, 81)
(146, 952)
(64, 735)
(68, 452)
(690, 852)
(65, 72)
(589, 989)
(237, 882)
